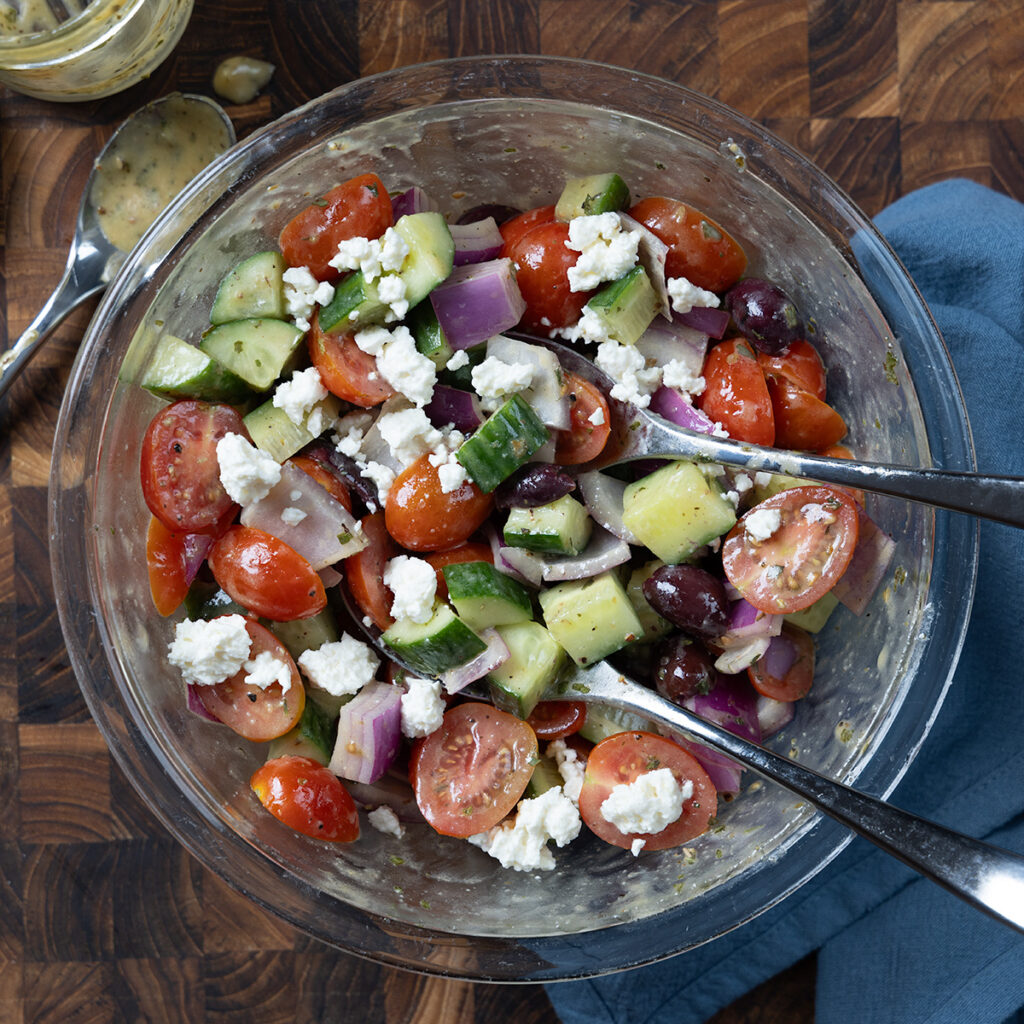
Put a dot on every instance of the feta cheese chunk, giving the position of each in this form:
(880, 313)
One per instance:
(413, 582)
(636, 846)
(208, 652)
(298, 397)
(264, 670)
(761, 523)
(677, 373)
(340, 667)
(399, 362)
(459, 359)
(570, 767)
(648, 804)
(684, 295)
(383, 819)
(422, 707)
(521, 844)
(302, 291)
(625, 364)
(494, 380)
(409, 434)
(606, 250)
(246, 473)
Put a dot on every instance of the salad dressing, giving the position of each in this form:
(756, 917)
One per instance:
(26, 17)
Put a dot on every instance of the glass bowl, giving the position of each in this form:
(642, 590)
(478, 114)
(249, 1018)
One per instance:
(510, 130)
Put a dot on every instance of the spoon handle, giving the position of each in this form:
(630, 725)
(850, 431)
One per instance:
(1000, 498)
(987, 877)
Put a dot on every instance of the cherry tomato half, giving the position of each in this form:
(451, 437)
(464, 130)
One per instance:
(265, 575)
(514, 228)
(364, 571)
(622, 758)
(542, 262)
(307, 797)
(346, 370)
(774, 677)
(255, 713)
(590, 423)
(179, 468)
(802, 421)
(735, 393)
(801, 363)
(471, 551)
(556, 719)
(802, 559)
(167, 557)
(359, 208)
(421, 517)
(472, 771)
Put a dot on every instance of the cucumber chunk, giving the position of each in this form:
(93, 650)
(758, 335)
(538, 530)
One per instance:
(591, 618)
(502, 443)
(430, 338)
(313, 736)
(560, 527)
(595, 193)
(180, 370)
(272, 430)
(356, 302)
(435, 646)
(254, 288)
(206, 600)
(484, 597)
(813, 619)
(535, 657)
(626, 306)
(603, 721)
(675, 510)
(545, 776)
(257, 350)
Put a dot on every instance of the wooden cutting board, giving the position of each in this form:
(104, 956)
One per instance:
(103, 917)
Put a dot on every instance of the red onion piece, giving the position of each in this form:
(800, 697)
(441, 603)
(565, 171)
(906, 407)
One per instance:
(723, 771)
(392, 790)
(732, 704)
(496, 653)
(664, 342)
(603, 552)
(520, 564)
(706, 319)
(742, 654)
(602, 494)
(746, 621)
(773, 715)
(369, 733)
(478, 301)
(453, 406)
(546, 394)
(196, 705)
(476, 242)
(412, 200)
(329, 576)
(197, 546)
(779, 657)
(670, 403)
(871, 559)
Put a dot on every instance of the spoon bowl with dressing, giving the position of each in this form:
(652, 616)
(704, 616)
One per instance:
(151, 157)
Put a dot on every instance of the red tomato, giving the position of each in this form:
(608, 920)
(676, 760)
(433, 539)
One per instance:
(514, 228)
(840, 451)
(471, 551)
(795, 681)
(735, 393)
(421, 518)
(472, 771)
(360, 208)
(307, 797)
(542, 272)
(585, 439)
(265, 575)
(698, 248)
(329, 481)
(364, 571)
(799, 362)
(165, 560)
(179, 469)
(622, 758)
(801, 420)
(252, 712)
(802, 559)
(556, 719)
(346, 370)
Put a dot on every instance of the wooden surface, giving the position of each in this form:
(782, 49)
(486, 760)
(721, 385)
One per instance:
(102, 916)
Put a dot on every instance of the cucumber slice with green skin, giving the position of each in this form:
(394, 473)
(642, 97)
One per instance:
(272, 430)
(180, 370)
(502, 443)
(675, 510)
(603, 721)
(627, 306)
(545, 776)
(430, 338)
(356, 302)
(561, 527)
(254, 288)
(435, 646)
(462, 378)
(301, 635)
(206, 601)
(259, 351)
(591, 618)
(813, 619)
(313, 737)
(535, 657)
(595, 193)
(485, 597)
(654, 625)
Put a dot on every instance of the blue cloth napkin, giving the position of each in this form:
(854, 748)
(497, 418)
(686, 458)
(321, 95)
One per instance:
(892, 946)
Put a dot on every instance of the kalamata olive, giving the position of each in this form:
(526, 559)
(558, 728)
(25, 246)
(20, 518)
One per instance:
(499, 212)
(684, 667)
(689, 597)
(536, 483)
(765, 314)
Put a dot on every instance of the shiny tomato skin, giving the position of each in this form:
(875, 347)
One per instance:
(307, 797)
(421, 518)
(557, 719)
(542, 263)
(471, 551)
(329, 481)
(514, 228)
(802, 559)
(621, 759)
(178, 466)
(346, 370)
(165, 562)
(802, 422)
(698, 248)
(736, 393)
(796, 683)
(470, 773)
(359, 208)
(364, 571)
(265, 575)
(585, 439)
(799, 362)
(254, 713)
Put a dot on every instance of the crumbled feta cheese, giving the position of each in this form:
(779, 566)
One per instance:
(372, 339)
(684, 295)
(677, 374)
(381, 476)
(636, 846)
(362, 254)
(606, 250)
(422, 707)
(459, 359)
(648, 804)
(350, 431)
(625, 364)
(393, 251)
(761, 523)
(405, 368)
(451, 474)
(570, 767)
(340, 666)
(264, 670)
(815, 513)
(246, 473)
(298, 397)
(762, 479)
(302, 291)
(292, 516)
(413, 582)
(521, 844)
(391, 291)
(494, 380)
(742, 483)
(596, 417)
(409, 434)
(209, 651)
(383, 819)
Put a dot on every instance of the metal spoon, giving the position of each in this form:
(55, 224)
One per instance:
(94, 259)
(639, 434)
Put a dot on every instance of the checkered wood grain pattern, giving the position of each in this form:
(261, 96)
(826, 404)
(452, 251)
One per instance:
(103, 917)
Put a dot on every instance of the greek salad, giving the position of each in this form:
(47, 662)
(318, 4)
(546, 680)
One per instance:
(374, 420)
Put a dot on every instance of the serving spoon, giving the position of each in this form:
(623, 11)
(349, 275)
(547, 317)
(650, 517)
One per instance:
(639, 434)
(95, 257)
